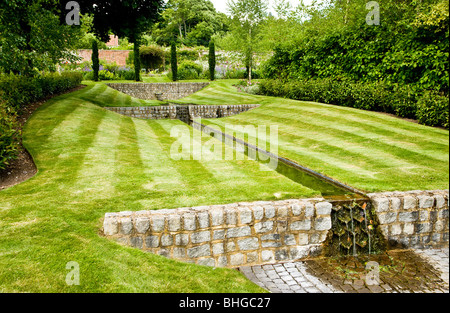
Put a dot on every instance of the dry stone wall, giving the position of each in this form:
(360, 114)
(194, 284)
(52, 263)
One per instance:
(266, 232)
(159, 91)
(183, 112)
(227, 235)
(415, 219)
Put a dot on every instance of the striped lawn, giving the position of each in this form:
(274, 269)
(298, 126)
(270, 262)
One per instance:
(367, 150)
(92, 161)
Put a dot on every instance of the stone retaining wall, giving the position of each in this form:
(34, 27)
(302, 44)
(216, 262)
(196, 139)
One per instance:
(415, 219)
(183, 112)
(266, 232)
(227, 235)
(159, 91)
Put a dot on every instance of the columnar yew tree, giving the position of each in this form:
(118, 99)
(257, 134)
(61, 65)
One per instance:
(212, 60)
(95, 59)
(173, 61)
(137, 62)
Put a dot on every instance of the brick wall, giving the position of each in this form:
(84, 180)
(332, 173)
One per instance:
(110, 56)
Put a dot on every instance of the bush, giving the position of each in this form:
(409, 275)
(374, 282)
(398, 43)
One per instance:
(432, 110)
(8, 136)
(189, 70)
(404, 101)
(106, 75)
(18, 91)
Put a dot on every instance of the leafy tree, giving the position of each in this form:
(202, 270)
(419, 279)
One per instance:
(212, 60)
(173, 61)
(247, 20)
(95, 59)
(191, 22)
(35, 36)
(152, 57)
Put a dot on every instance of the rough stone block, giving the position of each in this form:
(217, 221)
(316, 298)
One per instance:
(408, 217)
(289, 240)
(258, 212)
(217, 217)
(381, 204)
(245, 215)
(207, 262)
(409, 203)
(387, 218)
(423, 228)
(238, 232)
(200, 237)
(158, 223)
(174, 223)
(231, 217)
(267, 256)
(269, 211)
(126, 226)
(189, 222)
(440, 201)
(200, 251)
(323, 208)
(264, 227)
(136, 242)
(425, 202)
(408, 229)
(152, 242)
(142, 225)
(248, 244)
(301, 225)
(218, 248)
(179, 253)
(237, 259)
(323, 223)
(296, 209)
(166, 240)
(203, 220)
(111, 226)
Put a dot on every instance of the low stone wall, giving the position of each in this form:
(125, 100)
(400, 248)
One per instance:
(227, 235)
(266, 232)
(159, 91)
(416, 219)
(183, 112)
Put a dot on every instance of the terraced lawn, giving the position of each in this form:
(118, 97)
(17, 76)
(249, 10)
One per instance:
(367, 150)
(92, 161)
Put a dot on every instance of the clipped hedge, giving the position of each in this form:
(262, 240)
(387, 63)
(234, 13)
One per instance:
(429, 108)
(16, 92)
(9, 136)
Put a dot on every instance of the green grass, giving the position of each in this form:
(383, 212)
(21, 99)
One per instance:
(92, 161)
(370, 151)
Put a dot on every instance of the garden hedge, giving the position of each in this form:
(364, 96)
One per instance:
(429, 108)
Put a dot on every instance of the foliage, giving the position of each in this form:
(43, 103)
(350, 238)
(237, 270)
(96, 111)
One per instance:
(95, 60)
(189, 70)
(407, 48)
(34, 36)
(433, 110)
(18, 91)
(245, 36)
(173, 61)
(152, 57)
(212, 60)
(403, 101)
(190, 22)
(8, 136)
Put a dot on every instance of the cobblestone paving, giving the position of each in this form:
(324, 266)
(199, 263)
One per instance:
(311, 276)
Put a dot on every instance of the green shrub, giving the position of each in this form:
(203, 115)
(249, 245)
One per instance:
(8, 136)
(433, 109)
(189, 70)
(212, 60)
(106, 75)
(18, 91)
